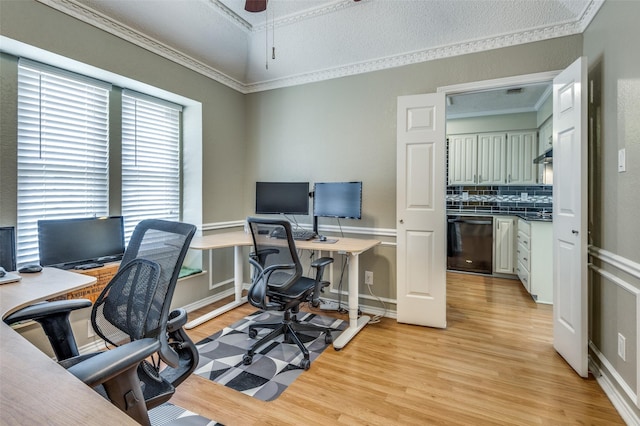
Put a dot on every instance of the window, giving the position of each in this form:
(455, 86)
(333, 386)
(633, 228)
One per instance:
(150, 159)
(63, 150)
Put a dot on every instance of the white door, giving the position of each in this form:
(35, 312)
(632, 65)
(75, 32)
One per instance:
(421, 238)
(569, 215)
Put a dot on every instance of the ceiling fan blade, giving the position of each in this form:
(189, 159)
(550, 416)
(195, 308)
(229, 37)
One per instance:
(255, 5)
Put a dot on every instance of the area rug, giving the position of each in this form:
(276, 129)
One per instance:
(274, 367)
(169, 414)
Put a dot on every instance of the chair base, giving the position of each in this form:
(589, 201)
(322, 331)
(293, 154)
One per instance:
(289, 328)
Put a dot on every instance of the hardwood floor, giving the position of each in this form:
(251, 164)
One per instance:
(494, 364)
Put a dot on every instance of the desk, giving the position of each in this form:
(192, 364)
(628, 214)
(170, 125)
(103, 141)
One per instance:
(34, 389)
(351, 247)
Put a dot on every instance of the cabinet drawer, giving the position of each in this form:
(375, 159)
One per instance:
(524, 256)
(523, 274)
(524, 240)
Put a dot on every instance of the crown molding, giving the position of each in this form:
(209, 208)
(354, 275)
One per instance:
(92, 17)
(98, 20)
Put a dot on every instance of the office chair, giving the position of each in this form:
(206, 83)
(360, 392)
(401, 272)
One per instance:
(278, 285)
(132, 316)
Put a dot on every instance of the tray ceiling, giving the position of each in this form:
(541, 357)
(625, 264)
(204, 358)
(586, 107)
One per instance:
(321, 39)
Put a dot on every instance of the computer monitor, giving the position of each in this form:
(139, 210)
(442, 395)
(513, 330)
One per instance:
(282, 198)
(8, 248)
(337, 199)
(64, 243)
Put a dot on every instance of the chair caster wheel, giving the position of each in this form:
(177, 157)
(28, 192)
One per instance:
(305, 364)
(328, 338)
(247, 359)
(253, 333)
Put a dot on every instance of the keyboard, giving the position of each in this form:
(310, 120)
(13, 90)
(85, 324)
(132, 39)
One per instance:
(298, 234)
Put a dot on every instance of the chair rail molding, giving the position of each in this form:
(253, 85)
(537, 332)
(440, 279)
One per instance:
(630, 270)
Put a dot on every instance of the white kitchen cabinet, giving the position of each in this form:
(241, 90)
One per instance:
(522, 149)
(477, 159)
(545, 136)
(504, 244)
(491, 158)
(463, 159)
(534, 259)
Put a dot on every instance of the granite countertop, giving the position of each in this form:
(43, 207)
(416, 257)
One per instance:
(543, 216)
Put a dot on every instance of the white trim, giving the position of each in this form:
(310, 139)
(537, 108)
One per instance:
(483, 85)
(632, 268)
(603, 378)
(209, 300)
(622, 263)
(86, 14)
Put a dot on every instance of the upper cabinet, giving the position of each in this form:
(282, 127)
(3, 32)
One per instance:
(522, 149)
(493, 158)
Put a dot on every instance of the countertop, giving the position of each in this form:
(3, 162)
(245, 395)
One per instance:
(537, 217)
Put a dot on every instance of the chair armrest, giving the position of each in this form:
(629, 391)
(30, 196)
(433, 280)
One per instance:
(45, 309)
(323, 261)
(109, 364)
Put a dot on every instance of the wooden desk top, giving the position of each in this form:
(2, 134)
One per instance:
(240, 238)
(34, 389)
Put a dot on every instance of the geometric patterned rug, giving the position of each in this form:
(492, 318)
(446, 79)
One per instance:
(169, 414)
(274, 367)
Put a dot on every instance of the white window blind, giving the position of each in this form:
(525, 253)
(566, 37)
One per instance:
(63, 133)
(150, 159)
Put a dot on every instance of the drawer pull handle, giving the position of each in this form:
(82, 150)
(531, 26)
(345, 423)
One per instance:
(574, 232)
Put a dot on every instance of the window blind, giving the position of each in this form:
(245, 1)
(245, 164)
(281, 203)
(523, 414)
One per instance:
(63, 133)
(150, 159)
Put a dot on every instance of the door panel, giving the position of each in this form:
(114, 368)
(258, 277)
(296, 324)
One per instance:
(569, 215)
(421, 275)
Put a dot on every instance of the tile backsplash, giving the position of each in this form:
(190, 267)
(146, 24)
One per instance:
(500, 199)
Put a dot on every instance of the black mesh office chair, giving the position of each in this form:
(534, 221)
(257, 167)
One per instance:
(278, 284)
(132, 316)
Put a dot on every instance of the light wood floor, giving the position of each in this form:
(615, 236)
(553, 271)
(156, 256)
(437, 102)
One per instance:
(493, 365)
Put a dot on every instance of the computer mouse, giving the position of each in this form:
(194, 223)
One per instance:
(322, 238)
(3, 272)
(30, 269)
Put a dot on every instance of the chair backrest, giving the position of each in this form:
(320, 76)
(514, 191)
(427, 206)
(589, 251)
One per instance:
(135, 304)
(275, 251)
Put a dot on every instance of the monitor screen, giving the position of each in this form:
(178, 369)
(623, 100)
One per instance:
(338, 199)
(67, 242)
(282, 198)
(8, 248)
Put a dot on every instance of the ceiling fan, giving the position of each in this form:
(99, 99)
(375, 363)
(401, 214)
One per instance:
(255, 5)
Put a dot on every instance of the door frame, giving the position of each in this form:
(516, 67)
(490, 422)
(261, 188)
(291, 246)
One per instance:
(497, 84)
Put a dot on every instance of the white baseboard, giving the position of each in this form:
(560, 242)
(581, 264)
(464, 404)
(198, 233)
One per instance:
(605, 375)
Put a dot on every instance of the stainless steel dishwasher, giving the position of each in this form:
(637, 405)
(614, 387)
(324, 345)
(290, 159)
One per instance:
(470, 244)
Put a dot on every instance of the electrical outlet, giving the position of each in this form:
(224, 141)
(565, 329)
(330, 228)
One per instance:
(368, 277)
(622, 349)
(90, 332)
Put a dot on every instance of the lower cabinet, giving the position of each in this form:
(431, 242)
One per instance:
(534, 264)
(504, 241)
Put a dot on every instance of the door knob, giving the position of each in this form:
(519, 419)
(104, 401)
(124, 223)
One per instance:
(574, 232)
(401, 221)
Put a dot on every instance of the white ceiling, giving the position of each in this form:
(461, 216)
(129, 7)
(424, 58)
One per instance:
(320, 39)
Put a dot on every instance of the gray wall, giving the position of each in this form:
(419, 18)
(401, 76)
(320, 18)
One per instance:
(345, 129)
(610, 43)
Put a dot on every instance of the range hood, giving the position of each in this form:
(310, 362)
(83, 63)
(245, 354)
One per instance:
(545, 158)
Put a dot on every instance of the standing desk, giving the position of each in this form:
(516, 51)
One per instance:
(351, 247)
(34, 389)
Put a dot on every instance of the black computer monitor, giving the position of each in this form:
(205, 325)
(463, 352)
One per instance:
(337, 199)
(8, 248)
(282, 198)
(64, 243)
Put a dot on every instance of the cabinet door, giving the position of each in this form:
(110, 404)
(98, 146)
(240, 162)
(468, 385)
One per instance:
(463, 159)
(492, 158)
(504, 244)
(521, 150)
